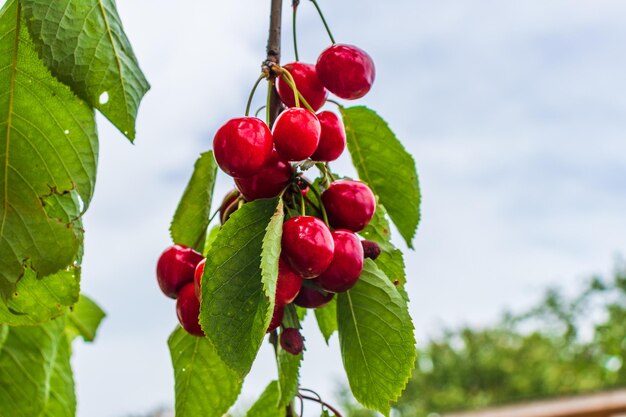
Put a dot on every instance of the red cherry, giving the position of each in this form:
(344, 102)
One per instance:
(308, 245)
(296, 134)
(288, 284)
(332, 139)
(311, 297)
(349, 205)
(277, 318)
(269, 182)
(197, 278)
(307, 83)
(345, 269)
(188, 310)
(371, 249)
(292, 341)
(243, 146)
(347, 71)
(229, 206)
(175, 268)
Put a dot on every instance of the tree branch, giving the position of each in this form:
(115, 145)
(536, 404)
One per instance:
(273, 55)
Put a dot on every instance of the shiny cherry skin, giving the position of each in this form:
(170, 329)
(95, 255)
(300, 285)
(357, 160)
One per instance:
(188, 310)
(288, 284)
(345, 70)
(332, 139)
(307, 245)
(277, 318)
(175, 268)
(312, 297)
(307, 83)
(243, 146)
(349, 205)
(269, 182)
(296, 134)
(291, 341)
(345, 269)
(197, 278)
(229, 205)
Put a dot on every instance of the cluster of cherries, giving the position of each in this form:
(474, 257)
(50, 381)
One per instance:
(319, 258)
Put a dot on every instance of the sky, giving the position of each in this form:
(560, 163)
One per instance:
(515, 112)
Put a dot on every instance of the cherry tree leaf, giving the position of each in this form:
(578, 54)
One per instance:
(84, 319)
(191, 220)
(205, 386)
(376, 339)
(235, 311)
(327, 319)
(271, 254)
(383, 163)
(265, 406)
(62, 396)
(48, 154)
(84, 44)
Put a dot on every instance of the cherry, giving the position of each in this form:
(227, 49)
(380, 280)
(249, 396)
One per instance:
(307, 84)
(242, 146)
(296, 134)
(288, 284)
(308, 245)
(332, 139)
(371, 249)
(313, 297)
(349, 205)
(345, 269)
(292, 341)
(345, 70)
(197, 278)
(269, 181)
(188, 310)
(229, 205)
(277, 318)
(175, 268)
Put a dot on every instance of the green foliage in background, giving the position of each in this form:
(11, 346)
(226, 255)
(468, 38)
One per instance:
(564, 345)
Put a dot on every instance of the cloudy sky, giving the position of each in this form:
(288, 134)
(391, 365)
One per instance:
(515, 112)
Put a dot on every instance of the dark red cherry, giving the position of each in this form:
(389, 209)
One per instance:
(371, 249)
(332, 139)
(243, 146)
(345, 70)
(277, 318)
(188, 310)
(307, 245)
(345, 269)
(229, 205)
(312, 297)
(349, 205)
(292, 341)
(307, 83)
(269, 182)
(175, 268)
(288, 284)
(296, 134)
(197, 278)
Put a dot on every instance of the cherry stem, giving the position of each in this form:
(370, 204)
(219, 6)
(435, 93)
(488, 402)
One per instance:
(312, 204)
(292, 85)
(330, 35)
(295, 4)
(323, 403)
(319, 198)
(256, 114)
(256, 84)
(268, 104)
(336, 103)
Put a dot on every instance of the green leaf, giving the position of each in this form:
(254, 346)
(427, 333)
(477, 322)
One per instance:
(84, 44)
(4, 332)
(327, 319)
(288, 364)
(265, 406)
(205, 386)
(36, 301)
(376, 339)
(194, 210)
(84, 319)
(27, 363)
(235, 310)
(271, 254)
(210, 238)
(62, 396)
(48, 149)
(384, 164)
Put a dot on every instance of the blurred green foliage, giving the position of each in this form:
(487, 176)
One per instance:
(564, 345)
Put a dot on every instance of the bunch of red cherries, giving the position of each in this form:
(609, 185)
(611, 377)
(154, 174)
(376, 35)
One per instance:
(321, 253)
